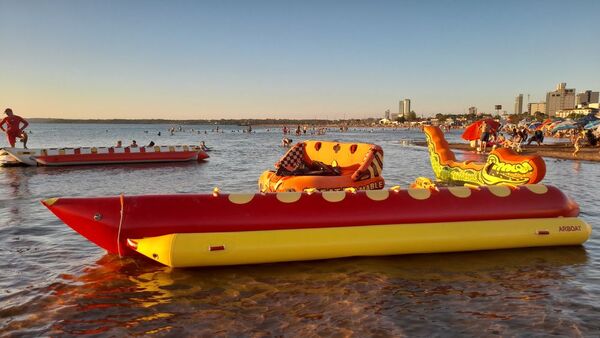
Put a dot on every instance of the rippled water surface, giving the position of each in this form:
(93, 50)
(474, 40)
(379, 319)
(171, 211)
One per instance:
(54, 282)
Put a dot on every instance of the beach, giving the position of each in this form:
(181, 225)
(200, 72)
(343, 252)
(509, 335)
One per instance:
(562, 151)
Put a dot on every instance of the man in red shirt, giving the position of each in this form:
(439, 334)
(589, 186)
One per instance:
(13, 126)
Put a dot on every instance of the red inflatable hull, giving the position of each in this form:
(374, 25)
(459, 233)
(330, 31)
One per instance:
(99, 219)
(118, 158)
(106, 155)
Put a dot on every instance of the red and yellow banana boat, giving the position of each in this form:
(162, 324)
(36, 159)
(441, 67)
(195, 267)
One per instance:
(105, 155)
(222, 229)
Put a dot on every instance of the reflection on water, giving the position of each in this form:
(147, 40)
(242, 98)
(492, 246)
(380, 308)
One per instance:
(56, 283)
(495, 292)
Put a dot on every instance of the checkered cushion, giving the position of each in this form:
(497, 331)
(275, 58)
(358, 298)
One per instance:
(293, 158)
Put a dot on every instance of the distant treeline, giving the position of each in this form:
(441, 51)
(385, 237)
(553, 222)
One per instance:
(237, 122)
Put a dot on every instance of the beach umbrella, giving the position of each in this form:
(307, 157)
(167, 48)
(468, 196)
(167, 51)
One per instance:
(586, 119)
(546, 122)
(534, 125)
(592, 124)
(565, 125)
(473, 131)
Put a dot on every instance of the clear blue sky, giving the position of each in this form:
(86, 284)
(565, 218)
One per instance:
(305, 59)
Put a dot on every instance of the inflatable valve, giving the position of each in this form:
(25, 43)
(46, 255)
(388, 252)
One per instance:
(310, 191)
(511, 186)
(396, 188)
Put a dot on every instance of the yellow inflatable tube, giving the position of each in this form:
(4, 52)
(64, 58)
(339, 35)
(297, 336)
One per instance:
(249, 247)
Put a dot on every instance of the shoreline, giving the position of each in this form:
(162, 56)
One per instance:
(556, 151)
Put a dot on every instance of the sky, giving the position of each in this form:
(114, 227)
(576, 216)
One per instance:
(289, 59)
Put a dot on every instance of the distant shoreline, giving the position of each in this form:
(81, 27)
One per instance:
(235, 122)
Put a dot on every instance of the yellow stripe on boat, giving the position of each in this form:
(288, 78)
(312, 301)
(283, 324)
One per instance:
(249, 247)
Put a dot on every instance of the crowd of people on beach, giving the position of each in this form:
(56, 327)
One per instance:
(514, 137)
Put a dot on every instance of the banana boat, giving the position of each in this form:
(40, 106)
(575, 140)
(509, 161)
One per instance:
(104, 155)
(188, 230)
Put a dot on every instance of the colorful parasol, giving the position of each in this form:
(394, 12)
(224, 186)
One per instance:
(473, 131)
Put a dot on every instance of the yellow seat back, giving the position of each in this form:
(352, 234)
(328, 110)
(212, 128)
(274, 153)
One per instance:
(344, 154)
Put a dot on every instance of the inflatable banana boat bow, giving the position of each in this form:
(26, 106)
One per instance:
(503, 166)
(224, 229)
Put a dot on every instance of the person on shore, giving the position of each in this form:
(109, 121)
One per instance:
(13, 128)
(538, 137)
(119, 144)
(577, 143)
(485, 137)
(591, 138)
(133, 144)
(523, 135)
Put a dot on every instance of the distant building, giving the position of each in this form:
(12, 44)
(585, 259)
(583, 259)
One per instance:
(519, 104)
(560, 99)
(394, 117)
(564, 113)
(536, 107)
(585, 98)
(404, 107)
(386, 115)
(473, 110)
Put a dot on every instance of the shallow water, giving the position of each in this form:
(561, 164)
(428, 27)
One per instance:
(54, 282)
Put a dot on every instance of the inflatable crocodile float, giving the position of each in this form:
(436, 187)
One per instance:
(503, 166)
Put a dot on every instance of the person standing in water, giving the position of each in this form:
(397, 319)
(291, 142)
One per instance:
(485, 137)
(13, 128)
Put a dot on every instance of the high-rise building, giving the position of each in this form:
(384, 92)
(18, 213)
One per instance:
(536, 107)
(519, 104)
(386, 115)
(585, 98)
(561, 98)
(404, 108)
(400, 108)
(473, 110)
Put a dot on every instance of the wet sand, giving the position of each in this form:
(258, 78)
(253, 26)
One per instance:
(560, 151)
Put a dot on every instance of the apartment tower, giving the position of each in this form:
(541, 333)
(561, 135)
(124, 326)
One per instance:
(519, 104)
(561, 98)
